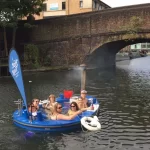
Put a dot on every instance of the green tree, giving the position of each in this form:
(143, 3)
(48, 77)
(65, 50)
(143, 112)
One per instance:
(13, 10)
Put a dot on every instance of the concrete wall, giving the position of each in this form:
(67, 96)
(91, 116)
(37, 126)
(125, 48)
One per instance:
(74, 8)
(87, 3)
(54, 13)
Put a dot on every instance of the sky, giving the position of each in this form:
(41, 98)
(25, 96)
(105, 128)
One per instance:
(119, 3)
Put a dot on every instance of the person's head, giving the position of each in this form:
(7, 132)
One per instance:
(74, 106)
(52, 98)
(35, 102)
(30, 104)
(83, 93)
(58, 108)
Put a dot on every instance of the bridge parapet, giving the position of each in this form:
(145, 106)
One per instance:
(114, 20)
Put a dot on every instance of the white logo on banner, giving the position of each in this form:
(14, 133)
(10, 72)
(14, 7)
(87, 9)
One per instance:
(15, 65)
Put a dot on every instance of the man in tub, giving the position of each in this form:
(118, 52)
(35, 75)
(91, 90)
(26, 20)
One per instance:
(83, 102)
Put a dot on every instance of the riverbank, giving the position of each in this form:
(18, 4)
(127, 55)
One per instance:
(5, 72)
(119, 57)
(122, 57)
(45, 69)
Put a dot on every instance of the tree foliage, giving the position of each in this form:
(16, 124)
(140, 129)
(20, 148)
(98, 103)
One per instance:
(13, 10)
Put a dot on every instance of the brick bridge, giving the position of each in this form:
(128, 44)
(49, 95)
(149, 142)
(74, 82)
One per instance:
(93, 37)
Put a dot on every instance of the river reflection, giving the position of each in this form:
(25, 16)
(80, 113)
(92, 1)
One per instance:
(124, 97)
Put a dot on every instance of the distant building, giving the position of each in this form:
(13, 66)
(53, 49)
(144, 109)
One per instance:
(140, 46)
(68, 7)
(136, 47)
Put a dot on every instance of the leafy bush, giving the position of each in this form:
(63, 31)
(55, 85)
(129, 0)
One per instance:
(45, 57)
(47, 61)
(31, 56)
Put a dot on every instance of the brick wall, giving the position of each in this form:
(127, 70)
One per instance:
(83, 34)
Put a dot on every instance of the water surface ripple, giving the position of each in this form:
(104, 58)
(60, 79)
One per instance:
(124, 96)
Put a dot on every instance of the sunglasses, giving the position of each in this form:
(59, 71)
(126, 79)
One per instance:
(72, 106)
(59, 108)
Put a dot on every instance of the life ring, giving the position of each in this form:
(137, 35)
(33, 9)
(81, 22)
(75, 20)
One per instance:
(90, 123)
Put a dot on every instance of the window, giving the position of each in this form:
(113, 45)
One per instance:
(100, 7)
(81, 3)
(148, 45)
(44, 7)
(97, 6)
(143, 45)
(94, 4)
(63, 5)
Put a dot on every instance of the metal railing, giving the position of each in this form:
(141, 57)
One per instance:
(19, 103)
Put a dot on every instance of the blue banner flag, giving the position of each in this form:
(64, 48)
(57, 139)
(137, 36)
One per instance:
(16, 72)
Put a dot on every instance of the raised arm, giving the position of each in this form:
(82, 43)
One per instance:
(64, 117)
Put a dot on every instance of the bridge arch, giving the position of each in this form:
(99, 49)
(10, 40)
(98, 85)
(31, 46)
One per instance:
(105, 55)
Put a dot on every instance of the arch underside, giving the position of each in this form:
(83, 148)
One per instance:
(105, 55)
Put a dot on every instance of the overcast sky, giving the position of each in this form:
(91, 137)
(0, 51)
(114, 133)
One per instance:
(117, 3)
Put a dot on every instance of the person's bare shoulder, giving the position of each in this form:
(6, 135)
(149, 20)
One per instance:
(79, 99)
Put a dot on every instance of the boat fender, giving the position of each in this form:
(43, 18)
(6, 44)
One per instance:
(91, 123)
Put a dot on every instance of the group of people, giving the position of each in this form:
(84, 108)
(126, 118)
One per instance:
(54, 109)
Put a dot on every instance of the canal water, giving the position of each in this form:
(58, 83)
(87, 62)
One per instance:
(124, 96)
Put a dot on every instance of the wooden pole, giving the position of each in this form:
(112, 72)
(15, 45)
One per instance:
(83, 76)
(30, 90)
